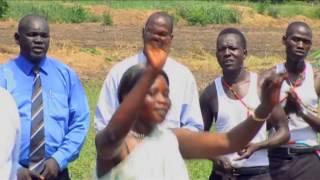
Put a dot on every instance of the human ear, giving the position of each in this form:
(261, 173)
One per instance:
(284, 38)
(17, 38)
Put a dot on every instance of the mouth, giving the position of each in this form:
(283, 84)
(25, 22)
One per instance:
(228, 62)
(162, 112)
(300, 52)
(38, 49)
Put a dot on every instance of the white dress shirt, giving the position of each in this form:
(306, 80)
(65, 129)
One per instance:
(9, 136)
(185, 109)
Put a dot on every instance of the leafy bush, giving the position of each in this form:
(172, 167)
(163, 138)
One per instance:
(273, 11)
(262, 7)
(107, 19)
(3, 8)
(214, 14)
(53, 11)
(317, 13)
(76, 14)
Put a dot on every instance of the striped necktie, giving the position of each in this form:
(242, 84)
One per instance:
(37, 141)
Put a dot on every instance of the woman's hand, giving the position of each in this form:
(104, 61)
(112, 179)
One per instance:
(156, 56)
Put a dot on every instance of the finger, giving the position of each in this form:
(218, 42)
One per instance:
(243, 156)
(46, 173)
(35, 175)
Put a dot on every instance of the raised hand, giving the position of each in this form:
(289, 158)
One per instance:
(270, 94)
(156, 56)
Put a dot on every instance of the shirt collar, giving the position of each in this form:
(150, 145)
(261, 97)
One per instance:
(26, 66)
(142, 58)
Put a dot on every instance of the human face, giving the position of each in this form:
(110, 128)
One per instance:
(33, 40)
(157, 102)
(230, 53)
(158, 31)
(298, 43)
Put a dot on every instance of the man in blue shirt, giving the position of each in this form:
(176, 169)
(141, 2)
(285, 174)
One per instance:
(52, 104)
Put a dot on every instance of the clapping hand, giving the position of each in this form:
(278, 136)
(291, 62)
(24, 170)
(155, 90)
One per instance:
(293, 104)
(270, 94)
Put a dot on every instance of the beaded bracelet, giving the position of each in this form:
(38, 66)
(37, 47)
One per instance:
(255, 118)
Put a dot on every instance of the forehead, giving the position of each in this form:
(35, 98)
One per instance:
(160, 82)
(300, 31)
(158, 22)
(36, 25)
(229, 40)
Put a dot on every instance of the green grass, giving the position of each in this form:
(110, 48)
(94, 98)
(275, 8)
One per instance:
(209, 14)
(287, 9)
(83, 167)
(53, 11)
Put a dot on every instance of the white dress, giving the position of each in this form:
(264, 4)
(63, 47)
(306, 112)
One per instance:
(157, 157)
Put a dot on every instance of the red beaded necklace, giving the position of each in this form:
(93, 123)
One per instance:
(237, 96)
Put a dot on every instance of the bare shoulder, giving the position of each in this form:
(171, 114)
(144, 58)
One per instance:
(209, 94)
(316, 72)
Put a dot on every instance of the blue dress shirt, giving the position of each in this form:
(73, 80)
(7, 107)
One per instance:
(66, 112)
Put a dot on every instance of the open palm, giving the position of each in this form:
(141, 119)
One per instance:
(156, 56)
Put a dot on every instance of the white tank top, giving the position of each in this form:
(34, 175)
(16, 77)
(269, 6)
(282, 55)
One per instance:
(301, 131)
(231, 112)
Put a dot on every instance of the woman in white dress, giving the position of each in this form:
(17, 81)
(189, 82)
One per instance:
(133, 145)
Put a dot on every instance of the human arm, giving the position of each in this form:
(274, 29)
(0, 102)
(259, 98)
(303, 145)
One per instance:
(110, 140)
(78, 124)
(208, 145)
(208, 105)
(279, 122)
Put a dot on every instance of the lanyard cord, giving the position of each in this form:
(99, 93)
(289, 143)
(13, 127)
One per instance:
(296, 83)
(237, 96)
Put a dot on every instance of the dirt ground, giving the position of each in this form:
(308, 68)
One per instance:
(91, 49)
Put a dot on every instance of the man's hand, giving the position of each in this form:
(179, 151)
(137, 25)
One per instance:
(51, 169)
(222, 162)
(247, 151)
(156, 56)
(293, 104)
(26, 174)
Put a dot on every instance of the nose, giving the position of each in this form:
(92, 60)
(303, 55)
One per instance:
(38, 39)
(227, 52)
(162, 99)
(300, 44)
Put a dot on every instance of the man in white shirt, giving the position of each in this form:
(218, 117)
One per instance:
(185, 110)
(9, 136)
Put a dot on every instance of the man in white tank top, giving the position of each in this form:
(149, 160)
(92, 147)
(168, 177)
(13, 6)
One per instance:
(228, 101)
(299, 159)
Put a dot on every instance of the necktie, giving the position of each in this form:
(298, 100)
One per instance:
(37, 142)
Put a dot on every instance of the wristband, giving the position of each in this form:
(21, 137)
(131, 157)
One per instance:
(258, 119)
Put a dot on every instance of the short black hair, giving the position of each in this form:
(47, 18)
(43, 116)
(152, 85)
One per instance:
(295, 24)
(131, 77)
(162, 14)
(235, 31)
